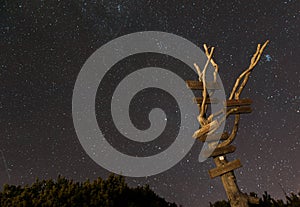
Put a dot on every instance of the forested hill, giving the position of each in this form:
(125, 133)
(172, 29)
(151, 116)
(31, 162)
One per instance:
(112, 192)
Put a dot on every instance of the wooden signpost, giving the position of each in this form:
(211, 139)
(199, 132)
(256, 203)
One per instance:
(209, 124)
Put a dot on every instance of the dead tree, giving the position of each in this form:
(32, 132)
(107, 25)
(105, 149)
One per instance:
(221, 144)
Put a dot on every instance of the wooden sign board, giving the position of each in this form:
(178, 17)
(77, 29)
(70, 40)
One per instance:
(240, 102)
(241, 110)
(237, 110)
(214, 137)
(207, 101)
(196, 85)
(225, 168)
(229, 103)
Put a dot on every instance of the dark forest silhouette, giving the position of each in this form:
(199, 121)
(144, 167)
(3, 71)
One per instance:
(112, 192)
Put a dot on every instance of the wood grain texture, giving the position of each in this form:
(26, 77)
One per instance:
(196, 85)
(220, 170)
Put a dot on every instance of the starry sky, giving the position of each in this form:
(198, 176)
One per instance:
(44, 44)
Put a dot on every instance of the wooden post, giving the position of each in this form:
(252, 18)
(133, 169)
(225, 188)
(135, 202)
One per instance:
(235, 196)
(209, 125)
(224, 169)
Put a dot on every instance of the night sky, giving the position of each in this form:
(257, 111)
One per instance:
(44, 44)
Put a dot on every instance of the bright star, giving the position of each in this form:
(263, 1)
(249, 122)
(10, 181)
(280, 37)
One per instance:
(268, 58)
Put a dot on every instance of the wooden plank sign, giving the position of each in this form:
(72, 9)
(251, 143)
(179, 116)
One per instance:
(229, 103)
(240, 102)
(237, 110)
(196, 85)
(227, 167)
(241, 110)
(199, 100)
(214, 137)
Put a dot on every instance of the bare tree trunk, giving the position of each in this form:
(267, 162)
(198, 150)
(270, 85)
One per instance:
(210, 124)
(235, 196)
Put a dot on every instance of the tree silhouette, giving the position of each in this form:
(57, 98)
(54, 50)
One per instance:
(293, 200)
(112, 192)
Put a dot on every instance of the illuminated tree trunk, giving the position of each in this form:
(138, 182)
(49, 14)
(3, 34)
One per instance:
(210, 124)
(234, 195)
